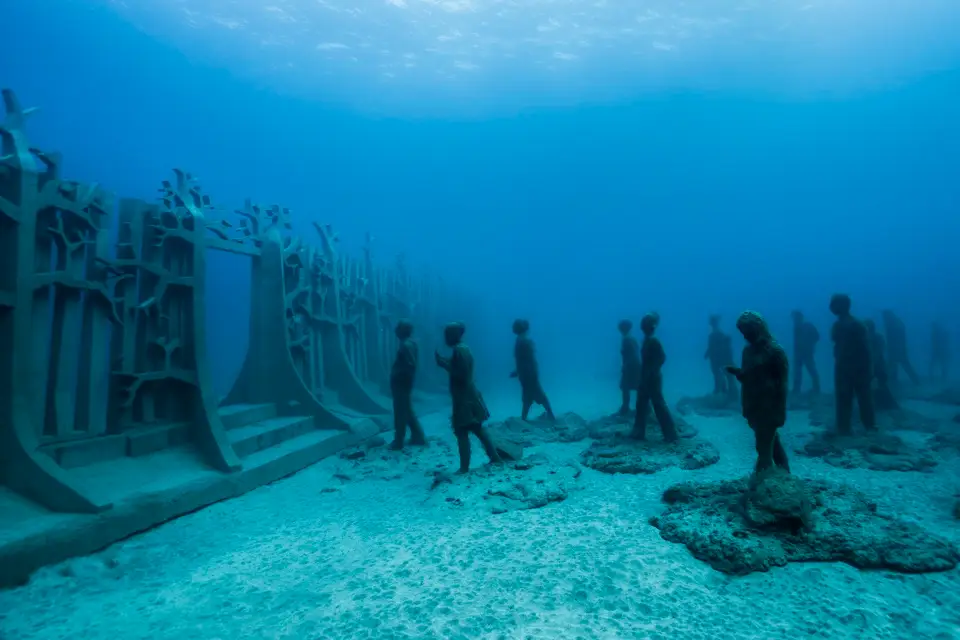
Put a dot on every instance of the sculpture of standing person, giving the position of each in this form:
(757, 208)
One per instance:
(630, 371)
(898, 356)
(402, 376)
(469, 409)
(853, 367)
(882, 397)
(805, 339)
(720, 354)
(763, 374)
(650, 392)
(528, 370)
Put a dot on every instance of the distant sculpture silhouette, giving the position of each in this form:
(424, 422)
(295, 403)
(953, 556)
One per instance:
(528, 370)
(897, 354)
(882, 397)
(763, 374)
(720, 355)
(805, 339)
(650, 392)
(853, 369)
(469, 409)
(630, 370)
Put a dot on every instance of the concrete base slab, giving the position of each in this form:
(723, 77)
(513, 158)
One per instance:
(146, 492)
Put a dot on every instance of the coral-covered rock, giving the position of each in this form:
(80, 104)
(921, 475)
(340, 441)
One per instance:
(749, 525)
(622, 454)
(568, 427)
(876, 451)
(531, 483)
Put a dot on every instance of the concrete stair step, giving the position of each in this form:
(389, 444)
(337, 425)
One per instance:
(235, 416)
(268, 433)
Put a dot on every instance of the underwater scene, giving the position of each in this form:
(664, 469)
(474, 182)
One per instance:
(479, 319)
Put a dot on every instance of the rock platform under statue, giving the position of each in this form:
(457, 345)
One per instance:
(743, 526)
(571, 427)
(877, 451)
(617, 425)
(893, 420)
(568, 427)
(614, 451)
(531, 483)
(519, 483)
(714, 405)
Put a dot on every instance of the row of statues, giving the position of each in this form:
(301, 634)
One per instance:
(861, 358)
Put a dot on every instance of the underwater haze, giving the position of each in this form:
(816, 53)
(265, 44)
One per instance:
(573, 163)
(568, 162)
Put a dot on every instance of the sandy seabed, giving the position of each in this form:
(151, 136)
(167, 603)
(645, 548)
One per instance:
(373, 560)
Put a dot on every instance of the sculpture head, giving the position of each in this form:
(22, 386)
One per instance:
(753, 327)
(888, 315)
(625, 326)
(521, 326)
(797, 316)
(453, 333)
(714, 321)
(404, 329)
(871, 326)
(840, 304)
(649, 323)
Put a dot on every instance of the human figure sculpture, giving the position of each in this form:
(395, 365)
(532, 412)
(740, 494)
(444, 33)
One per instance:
(630, 370)
(898, 356)
(528, 370)
(650, 391)
(402, 376)
(939, 352)
(853, 367)
(469, 409)
(882, 397)
(805, 339)
(763, 374)
(720, 355)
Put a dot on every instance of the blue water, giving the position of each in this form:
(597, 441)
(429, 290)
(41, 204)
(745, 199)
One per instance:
(573, 163)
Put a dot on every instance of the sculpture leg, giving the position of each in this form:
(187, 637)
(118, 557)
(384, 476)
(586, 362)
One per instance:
(488, 446)
(400, 420)
(664, 417)
(765, 438)
(844, 391)
(864, 394)
(417, 436)
(642, 413)
(525, 412)
(811, 366)
(779, 453)
(624, 402)
(546, 407)
(719, 381)
(463, 447)
(797, 375)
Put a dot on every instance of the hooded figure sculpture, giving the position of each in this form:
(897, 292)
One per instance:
(469, 409)
(630, 370)
(650, 392)
(763, 375)
(853, 366)
(528, 370)
(402, 375)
